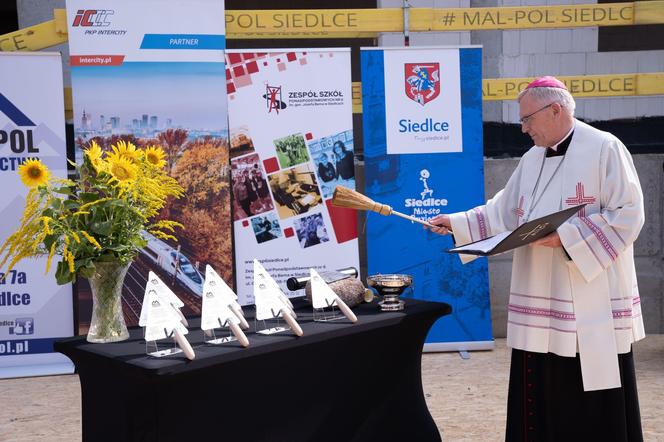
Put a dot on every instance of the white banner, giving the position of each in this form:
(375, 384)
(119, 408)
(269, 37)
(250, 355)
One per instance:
(290, 122)
(34, 310)
(422, 101)
(105, 33)
(152, 72)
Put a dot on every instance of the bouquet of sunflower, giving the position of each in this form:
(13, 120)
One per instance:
(99, 217)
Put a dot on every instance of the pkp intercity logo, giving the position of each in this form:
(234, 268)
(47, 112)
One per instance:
(273, 99)
(93, 17)
(422, 81)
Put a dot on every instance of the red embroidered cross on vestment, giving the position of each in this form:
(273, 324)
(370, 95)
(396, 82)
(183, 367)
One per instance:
(519, 211)
(580, 198)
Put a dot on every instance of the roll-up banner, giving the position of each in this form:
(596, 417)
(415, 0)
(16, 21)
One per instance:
(34, 310)
(422, 120)
(152, 72)
(290, 120)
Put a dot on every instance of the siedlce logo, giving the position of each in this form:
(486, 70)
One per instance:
(422, 81)
(93, 17)
(273, 98)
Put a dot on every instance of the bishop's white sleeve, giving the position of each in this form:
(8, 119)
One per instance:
(595, 241)
(496, 216)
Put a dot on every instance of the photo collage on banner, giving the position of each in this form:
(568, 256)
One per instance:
(290, 122)
(152, 73)
(422, 122)
(34, 309)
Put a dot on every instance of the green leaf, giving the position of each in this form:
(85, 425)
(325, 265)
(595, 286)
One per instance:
(71, 204)
(56, 204)
(87, 272)
(63, 190)
(49, 240)
(102, 227)
(88, 197)
(62, 274)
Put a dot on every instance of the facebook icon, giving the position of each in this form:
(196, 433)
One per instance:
(22, 326)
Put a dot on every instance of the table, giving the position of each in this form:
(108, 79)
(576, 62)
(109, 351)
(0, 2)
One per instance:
(339, 382)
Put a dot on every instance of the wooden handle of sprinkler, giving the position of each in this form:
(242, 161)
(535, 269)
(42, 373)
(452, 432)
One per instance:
(239, 334)
(292, 323)
(412, 218)
(346, 310)
(184, 345)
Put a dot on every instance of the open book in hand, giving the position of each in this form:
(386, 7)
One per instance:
(522, 235)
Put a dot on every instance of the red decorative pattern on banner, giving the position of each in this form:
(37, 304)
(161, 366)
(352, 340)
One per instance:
(288, 232)
(344, 222)
(252, 67)
(96, 60)
(308, 136)
(245, 223)
(240, 65)
(271, 165)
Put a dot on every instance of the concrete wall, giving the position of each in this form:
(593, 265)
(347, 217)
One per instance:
(648, 247)
(32, 12)
(536, 52)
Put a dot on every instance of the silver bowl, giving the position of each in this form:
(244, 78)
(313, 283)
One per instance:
(390, 287)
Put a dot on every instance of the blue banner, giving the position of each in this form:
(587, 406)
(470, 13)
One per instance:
(422, 122)
(183, 41)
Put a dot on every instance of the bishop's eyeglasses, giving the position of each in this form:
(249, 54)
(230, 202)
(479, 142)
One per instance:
(524, 120)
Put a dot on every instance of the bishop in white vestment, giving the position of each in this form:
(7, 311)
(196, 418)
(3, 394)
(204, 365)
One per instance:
(574, 307)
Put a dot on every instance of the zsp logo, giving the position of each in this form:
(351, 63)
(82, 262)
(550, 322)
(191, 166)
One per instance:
(273, 98)
(422, 81)
(93, 17)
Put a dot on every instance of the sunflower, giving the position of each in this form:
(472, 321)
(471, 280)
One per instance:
(127, 150)
(155, 156)
(122, 170)
(94, 154)
(33, 173)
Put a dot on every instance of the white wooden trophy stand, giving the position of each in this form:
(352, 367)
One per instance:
(161, 319)
(220, 309)
(272, 304)
(325, 302)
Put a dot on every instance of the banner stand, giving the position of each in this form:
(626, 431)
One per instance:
(422, 121)
(19, 371)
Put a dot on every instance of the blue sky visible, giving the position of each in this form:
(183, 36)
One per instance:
(192, 94)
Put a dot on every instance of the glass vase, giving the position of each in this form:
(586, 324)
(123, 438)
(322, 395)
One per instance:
(108, 322)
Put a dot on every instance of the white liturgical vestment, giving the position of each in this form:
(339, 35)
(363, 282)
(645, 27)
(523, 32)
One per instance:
(588, 304)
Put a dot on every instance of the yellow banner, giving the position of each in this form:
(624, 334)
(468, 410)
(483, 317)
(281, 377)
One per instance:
(33, 38)
(618, 85)
(367, 23)
(312, 23)
(526, 17)
(611, 85)
(586, 86)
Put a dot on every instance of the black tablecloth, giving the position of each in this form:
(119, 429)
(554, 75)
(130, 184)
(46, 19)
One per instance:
(339, 382)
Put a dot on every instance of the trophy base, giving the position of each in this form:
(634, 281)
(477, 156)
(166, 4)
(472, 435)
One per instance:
(167, 352)
(391, 306)
(221, 340)
(273, 330)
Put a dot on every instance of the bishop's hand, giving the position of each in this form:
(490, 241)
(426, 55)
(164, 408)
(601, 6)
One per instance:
(442, 223)
(550, 240)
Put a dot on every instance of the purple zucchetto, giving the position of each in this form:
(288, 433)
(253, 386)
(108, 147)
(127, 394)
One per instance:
(546, 81)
